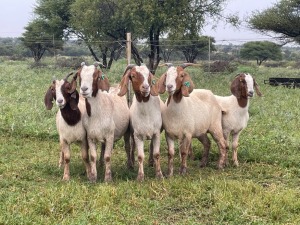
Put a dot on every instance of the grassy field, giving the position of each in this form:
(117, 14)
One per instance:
(264, 189)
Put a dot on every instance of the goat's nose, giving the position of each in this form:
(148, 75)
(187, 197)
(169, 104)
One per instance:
(250, 93)
(145, 86)
(169, 86)
(60, 101)
(84, 88)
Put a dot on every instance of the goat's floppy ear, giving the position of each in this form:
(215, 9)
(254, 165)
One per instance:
(161, 84)
(153, 85)
(187, 85)
(48, 100)
(124, 83)
(235, 87)
(74, 100)
(73, 85)
(103, 82)
(256, 87)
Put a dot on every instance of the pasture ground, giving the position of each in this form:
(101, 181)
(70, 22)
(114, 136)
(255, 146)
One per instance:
(264, 189)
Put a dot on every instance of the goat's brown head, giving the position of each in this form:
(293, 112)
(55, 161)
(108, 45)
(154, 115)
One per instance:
(243, 87)
(63, 92)
(143, 82)
(91, 79)
(176, 81)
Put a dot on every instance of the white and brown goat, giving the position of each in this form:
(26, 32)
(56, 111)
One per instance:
(145, 114)
(189, 114)
(107, 117)
(235, 106)
(68, 121)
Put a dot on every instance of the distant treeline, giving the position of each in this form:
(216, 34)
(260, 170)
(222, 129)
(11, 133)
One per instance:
(13, 47)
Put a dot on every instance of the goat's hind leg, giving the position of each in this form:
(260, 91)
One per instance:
(206, 145)
(219, 139)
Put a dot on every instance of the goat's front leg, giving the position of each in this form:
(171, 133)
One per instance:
(129, 148)
(156, 155)
(109, 143)
(85, 157)
(93, 164)
(65, 151)
(151, 159)
(61, 159)
(184, 145)
(171, 152)
(235, 142)
(141, 155)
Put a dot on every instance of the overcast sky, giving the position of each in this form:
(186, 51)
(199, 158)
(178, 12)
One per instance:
(15, 15)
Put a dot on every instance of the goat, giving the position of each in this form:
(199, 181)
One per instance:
(236, 116)
(188, 115)
(145, 114)
(107, 117)
(68, 121)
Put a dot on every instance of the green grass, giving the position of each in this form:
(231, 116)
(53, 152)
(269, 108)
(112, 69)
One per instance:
(264, 189)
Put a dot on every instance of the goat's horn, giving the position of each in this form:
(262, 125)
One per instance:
(96, 64)
(169, 64)
(66, 78)
(184, 65)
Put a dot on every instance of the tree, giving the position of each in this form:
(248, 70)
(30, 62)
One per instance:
(261, 51)
(283, 19)
(194, 45)
(46, 31)
(37, 39)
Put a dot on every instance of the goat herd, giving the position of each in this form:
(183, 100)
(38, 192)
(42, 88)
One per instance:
(100, 113)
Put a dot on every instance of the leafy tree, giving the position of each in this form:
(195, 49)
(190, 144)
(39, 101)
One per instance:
(283, 19)
(37, 39)
(261, 51)
(46, 31)
(194, 45)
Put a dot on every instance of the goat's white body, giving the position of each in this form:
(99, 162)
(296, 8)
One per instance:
(234, 120)
(235, 106)
(100, 125)
(192, 117)
(68, 133)
(145, 117)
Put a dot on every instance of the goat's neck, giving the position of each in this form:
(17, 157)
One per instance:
(177, 96)
(72, 117)
(140, 97)
(100, 103)
(243, 102)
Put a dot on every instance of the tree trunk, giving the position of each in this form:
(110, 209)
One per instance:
(154, 57)
(92, 52)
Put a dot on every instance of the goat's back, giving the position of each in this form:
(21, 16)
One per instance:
(195, 114)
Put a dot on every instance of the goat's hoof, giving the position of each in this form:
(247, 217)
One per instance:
(159, 175)
(92, 178)
(203, 164)
(236, 163)
(220, 166)
(108, 178)
(182, 171)
(66, 178)
(140, 177)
